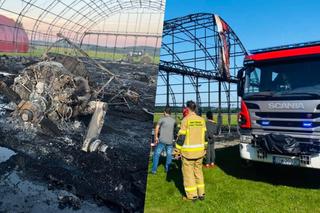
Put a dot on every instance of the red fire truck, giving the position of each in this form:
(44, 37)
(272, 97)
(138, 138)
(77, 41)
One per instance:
(280, 105)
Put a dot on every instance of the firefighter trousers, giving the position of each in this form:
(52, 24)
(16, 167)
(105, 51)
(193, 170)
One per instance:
(193, 180)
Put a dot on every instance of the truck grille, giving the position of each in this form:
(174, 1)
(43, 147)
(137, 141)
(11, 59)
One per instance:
(284, 144)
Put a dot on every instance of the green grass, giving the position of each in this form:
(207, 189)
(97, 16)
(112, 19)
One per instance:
(178, 116)
(38, 51)
(232, 188)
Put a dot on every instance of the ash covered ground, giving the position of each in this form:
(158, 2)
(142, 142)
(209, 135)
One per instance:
(52, 173)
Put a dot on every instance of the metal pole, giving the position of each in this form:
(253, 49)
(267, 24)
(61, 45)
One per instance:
(237, 103)
(205, 46)
(115, 48)
(155, 49)
(96, 54)
(197, 90)
(183, 90)
(209, 94)
(172, 47)
(219, 106)
(197, 98)
(168, 88)
(229, 112)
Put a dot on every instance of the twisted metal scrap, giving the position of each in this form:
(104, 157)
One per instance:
(133, 96)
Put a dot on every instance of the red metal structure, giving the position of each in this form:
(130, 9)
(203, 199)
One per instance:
(13, 37)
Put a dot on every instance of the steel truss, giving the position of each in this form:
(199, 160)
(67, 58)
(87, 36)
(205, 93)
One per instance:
(190, 59)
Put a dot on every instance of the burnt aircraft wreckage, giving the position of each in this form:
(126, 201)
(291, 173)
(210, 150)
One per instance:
(52, 112)
(46, 94)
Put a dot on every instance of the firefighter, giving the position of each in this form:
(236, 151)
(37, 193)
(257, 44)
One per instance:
(191, 143)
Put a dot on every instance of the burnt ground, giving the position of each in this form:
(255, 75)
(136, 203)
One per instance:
(72, 180)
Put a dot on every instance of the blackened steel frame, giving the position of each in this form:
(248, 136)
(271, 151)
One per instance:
(191, 47)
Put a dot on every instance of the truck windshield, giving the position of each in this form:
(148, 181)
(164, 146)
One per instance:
(295, 78)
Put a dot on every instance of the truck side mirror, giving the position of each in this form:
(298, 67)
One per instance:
(240, 83)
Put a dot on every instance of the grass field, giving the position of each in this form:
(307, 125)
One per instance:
(37, 52)
(178, 116)
(232, 188)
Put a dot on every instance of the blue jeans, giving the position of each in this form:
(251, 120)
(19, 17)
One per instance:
(157, 153)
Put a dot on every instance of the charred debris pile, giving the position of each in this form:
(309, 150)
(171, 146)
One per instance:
(81, 124)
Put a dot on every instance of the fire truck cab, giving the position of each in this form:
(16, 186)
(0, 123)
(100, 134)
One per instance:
(279, 120)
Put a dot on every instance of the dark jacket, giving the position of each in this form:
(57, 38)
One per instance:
(212, 130)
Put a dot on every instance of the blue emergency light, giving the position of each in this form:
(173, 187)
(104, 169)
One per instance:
(307, 124)
(265, 123)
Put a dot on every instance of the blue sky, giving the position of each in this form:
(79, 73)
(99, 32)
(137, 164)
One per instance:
(259, 23)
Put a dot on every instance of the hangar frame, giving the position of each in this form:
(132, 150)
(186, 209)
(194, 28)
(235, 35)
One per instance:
(106, 29)
(190, 65)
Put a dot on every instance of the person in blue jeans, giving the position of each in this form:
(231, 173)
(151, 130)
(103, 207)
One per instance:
(164, 136)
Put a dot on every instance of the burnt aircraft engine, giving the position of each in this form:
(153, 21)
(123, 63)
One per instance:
(47, 94)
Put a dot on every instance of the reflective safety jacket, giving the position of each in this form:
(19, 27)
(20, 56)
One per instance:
(192, 137)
